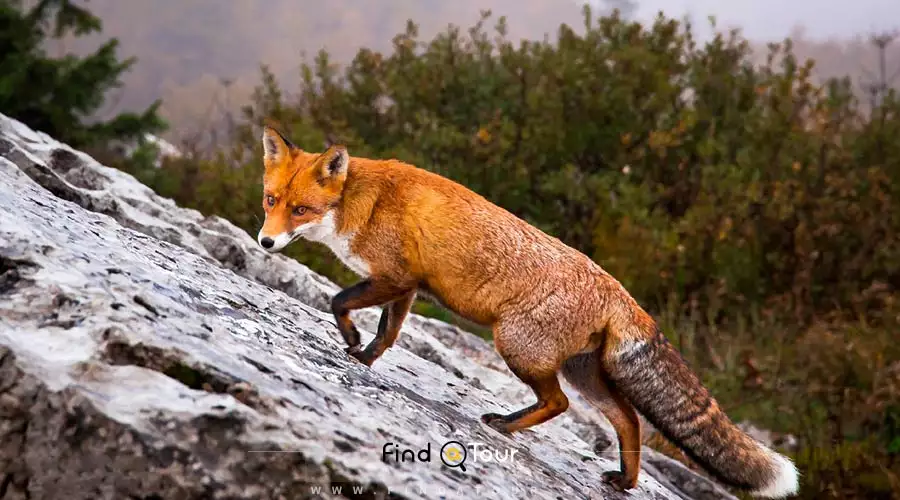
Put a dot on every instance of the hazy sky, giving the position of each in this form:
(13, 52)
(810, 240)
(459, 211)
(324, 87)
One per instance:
(774, 19)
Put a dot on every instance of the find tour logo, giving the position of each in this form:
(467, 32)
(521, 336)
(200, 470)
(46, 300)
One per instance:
(453, 454)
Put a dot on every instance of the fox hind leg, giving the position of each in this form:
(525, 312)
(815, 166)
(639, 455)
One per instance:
(551, 402)
(585, 372)
(530, 364)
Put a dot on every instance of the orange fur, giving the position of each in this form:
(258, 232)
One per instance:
(552, 309)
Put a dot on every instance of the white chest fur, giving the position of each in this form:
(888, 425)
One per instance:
(325, 232)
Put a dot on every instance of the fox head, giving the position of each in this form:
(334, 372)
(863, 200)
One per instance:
(301, 191)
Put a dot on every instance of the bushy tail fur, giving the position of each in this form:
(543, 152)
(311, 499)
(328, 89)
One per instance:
(652, 375)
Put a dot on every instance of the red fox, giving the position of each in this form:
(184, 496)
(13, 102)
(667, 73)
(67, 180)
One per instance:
(552, 309)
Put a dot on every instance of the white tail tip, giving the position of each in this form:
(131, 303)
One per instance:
(786, 481)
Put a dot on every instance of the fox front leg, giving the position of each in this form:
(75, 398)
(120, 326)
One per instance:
(388, 329)
(366, 293)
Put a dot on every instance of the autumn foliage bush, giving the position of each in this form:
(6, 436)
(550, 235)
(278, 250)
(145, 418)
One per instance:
(749, 207)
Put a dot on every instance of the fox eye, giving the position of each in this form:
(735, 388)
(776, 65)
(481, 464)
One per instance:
(299, 211)
(270, 200)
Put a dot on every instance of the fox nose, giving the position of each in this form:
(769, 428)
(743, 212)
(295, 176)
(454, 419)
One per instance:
(267, 242)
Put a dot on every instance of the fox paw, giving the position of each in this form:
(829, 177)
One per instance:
(617, 480)
(495, 421)
(355, 352)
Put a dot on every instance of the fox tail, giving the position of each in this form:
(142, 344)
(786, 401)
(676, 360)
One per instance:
(651, 374)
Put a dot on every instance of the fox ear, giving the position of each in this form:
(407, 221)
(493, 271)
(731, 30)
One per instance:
(334, 164)
(275, 147)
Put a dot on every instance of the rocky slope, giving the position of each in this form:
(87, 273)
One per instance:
(147, 351)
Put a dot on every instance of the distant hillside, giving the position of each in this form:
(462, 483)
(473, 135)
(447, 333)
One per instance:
(187, 48)
(856, 57)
